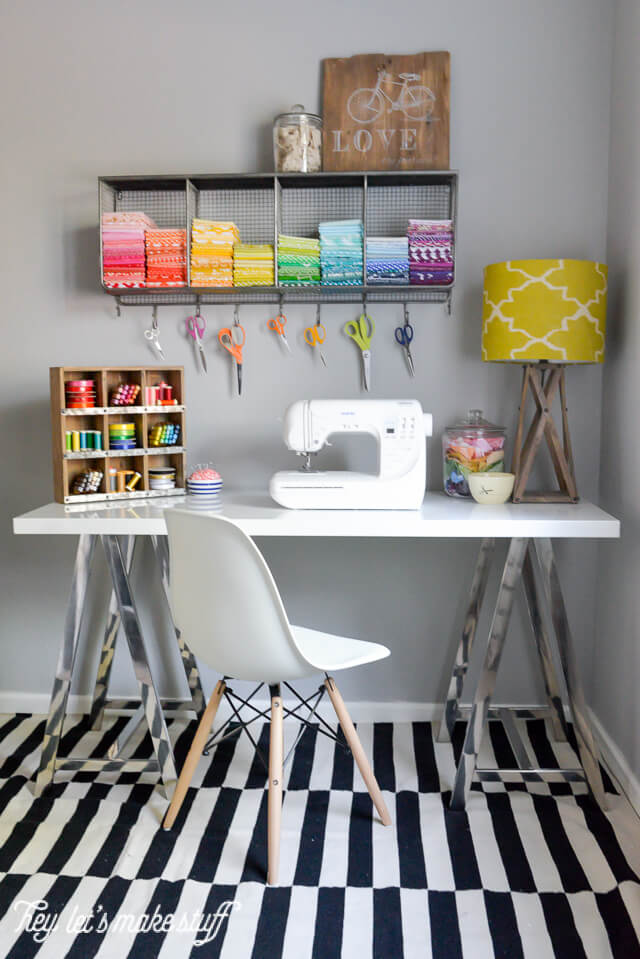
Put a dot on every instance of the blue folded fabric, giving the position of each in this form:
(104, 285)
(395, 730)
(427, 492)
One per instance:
(387, 280)
(341, 226)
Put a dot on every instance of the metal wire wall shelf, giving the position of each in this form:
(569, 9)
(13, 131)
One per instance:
(265, 205)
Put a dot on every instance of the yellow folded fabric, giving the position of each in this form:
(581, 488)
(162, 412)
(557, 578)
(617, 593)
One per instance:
(215, 226)
(212, 249)
(211, 281)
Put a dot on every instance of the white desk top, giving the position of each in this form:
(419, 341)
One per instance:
(257, 514)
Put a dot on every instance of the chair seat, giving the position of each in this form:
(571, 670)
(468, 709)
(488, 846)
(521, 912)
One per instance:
(327, 652)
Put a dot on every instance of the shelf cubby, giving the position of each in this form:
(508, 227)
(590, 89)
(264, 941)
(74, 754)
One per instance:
(167, 415)
(79, 421)
(129, 464)
(71, 469)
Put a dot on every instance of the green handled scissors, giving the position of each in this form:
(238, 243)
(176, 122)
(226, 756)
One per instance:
(361, 332)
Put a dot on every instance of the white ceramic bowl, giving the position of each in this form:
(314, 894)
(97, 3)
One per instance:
(491, 488)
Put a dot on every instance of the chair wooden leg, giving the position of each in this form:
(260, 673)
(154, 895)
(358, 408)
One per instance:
(276, 756)
(355, 745)
(193, 757)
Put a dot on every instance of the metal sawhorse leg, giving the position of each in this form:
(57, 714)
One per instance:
(122, 613)
(519, 565)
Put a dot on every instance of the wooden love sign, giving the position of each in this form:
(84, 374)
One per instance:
(386, 112)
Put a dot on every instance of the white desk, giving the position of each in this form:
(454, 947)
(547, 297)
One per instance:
(257, 514)
(530, 529)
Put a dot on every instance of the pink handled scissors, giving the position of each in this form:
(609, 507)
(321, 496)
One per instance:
(196, 326)
(277, 325)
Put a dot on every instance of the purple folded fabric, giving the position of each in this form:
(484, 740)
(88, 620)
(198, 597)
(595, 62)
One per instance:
(438, 256)
(430, 226)
(423, 277)
(430, 239)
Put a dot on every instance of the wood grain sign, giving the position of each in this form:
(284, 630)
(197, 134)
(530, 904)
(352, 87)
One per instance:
(385, 112)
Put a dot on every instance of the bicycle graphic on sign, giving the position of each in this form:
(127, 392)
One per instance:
(417, 102)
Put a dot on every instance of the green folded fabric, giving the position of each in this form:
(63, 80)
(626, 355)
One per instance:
(290, 259)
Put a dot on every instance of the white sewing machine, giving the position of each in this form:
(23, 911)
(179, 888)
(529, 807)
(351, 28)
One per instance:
(399, 427)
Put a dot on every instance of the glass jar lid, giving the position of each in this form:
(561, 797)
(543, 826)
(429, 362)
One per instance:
(296, 115)
(474, 423)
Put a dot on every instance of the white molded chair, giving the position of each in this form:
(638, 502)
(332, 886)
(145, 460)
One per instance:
(229, 611)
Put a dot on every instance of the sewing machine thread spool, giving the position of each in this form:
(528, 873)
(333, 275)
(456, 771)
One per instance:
(133, 482)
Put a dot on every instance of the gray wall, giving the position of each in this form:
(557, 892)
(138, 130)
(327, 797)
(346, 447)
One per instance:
(617, 650)
(164, 87)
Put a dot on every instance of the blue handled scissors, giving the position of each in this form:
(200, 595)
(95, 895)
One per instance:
(404, 336)
(361, 332)
(196, 326)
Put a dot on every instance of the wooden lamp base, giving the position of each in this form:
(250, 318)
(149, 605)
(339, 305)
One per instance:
(543, 380)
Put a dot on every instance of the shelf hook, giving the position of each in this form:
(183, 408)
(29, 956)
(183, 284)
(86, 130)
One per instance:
(198, 305)
(406, 314)
(318, 314)
(281, 302)
(118, 311)
(236, 315)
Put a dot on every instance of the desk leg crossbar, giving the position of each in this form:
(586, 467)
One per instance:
(519, 565)
(122, 613)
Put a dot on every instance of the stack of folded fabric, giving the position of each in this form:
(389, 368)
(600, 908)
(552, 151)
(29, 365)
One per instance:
(387, 260)
(123, 260)
(298, 260)
(253, 264)
(166, 257)
(430, 252)
(341, 252)
(212, 243)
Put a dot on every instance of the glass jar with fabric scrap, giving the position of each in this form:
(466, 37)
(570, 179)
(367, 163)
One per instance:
(473, 445)
(297, 141)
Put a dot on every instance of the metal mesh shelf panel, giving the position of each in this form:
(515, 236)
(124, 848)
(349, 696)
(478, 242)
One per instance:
(107, 199)
(253, 211)
(302, 209)
(389, 208)
(167, 208)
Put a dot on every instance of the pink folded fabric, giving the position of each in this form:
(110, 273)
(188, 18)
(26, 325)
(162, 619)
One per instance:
(128, 216)
(118, 236)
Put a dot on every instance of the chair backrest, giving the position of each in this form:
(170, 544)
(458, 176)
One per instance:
(225, 601)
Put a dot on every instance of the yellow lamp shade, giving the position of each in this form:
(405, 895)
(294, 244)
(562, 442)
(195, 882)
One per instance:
(553, 310)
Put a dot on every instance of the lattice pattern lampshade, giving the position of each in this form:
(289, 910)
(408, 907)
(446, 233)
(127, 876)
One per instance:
(552, 310)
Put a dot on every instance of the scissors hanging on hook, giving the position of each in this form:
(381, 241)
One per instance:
(153, 334)
(361, 332)
(404, 336)
(315, 335)
(277, 325)
(196, 325)
(232, 339)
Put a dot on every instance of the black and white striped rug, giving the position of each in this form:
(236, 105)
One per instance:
(534, 872)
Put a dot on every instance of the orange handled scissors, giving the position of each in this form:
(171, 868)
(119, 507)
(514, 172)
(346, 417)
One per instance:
(277, 325)
(315, 335)
(232, 338)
